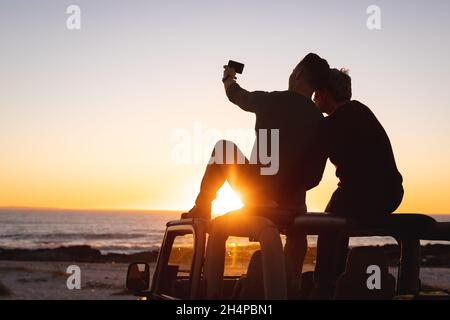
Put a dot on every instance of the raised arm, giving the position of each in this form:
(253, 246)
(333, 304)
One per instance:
(248, 101)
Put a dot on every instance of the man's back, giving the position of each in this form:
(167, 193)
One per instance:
(298, 120)
(359, 147)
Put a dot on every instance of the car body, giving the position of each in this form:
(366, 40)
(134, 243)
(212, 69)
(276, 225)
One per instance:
(179, 272)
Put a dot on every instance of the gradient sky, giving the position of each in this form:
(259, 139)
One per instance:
(87, 117)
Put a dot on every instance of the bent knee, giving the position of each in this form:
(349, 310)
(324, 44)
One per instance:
(223, 147)
(225, 143)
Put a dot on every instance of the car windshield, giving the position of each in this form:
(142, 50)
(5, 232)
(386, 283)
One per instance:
(237, 256)
(181, 254)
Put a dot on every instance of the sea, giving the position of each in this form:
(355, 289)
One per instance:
(109, 231)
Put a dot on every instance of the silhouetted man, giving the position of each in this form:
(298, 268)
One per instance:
(370, 186)
(296, 118)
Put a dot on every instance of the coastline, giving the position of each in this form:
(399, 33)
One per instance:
(433, 255)
(82, 253)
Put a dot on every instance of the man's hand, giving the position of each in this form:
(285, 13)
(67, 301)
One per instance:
(229, 77)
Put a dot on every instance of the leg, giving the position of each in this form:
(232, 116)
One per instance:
(294, 252)
(227, 162)
(332, 250)
(331, 258)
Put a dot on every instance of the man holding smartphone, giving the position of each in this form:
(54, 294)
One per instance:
(294, 114)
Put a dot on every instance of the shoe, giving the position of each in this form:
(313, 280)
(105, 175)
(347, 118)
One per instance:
(197, 212)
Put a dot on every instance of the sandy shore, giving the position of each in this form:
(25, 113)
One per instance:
(47, 280)
(106, 281)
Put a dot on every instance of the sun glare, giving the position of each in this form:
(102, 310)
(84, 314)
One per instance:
(227, 200)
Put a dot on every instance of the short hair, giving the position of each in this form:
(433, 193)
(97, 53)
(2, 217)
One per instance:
(316, 71)
(340, 85)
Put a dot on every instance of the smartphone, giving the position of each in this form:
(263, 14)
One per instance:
(238, 67)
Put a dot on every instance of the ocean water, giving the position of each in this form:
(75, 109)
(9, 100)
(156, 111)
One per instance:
(108, 231)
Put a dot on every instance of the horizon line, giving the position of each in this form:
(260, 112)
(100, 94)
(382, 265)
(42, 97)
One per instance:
(32, 208)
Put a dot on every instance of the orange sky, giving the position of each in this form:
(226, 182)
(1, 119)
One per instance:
(87, 117)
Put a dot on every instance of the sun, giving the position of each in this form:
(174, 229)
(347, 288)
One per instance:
(227, 200)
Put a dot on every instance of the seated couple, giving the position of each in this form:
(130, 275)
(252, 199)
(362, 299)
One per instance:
(350, 136)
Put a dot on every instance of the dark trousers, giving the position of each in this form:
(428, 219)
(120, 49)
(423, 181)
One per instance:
(255, 190)
(332, 247)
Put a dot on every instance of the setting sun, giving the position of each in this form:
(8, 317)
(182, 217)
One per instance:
(227, 200)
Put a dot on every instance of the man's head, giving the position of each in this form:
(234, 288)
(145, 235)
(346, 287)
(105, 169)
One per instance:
(309, 75)
(337, 92)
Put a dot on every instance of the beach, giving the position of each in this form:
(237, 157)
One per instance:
(103, 276)
(106, 281)
(47, 280)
